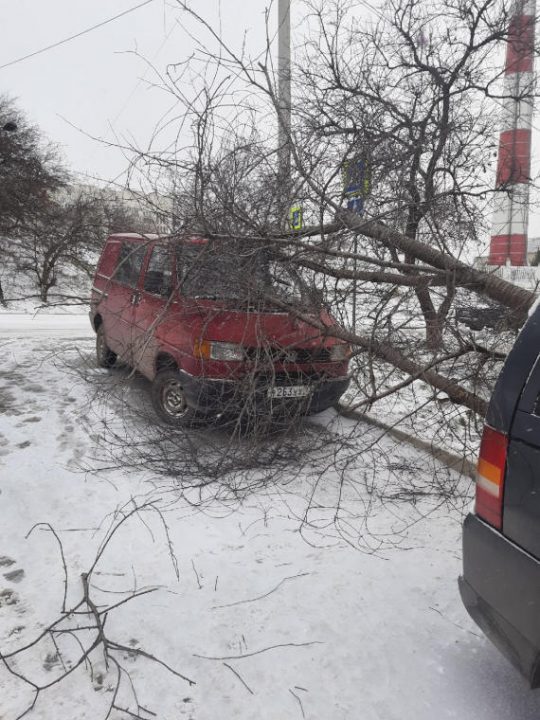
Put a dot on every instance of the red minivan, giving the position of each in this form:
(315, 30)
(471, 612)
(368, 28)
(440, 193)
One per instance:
(218, 326)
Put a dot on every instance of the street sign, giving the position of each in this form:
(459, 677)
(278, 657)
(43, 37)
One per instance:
(356, 205)
(356, 184)
(356, 181)
(296, 217)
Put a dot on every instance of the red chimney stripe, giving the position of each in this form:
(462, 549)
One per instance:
(508, 246)
(520, 47)
(514, 163)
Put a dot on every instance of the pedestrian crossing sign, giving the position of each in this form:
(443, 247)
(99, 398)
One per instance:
(296, 218)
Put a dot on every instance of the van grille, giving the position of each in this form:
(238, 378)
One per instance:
(300, 356)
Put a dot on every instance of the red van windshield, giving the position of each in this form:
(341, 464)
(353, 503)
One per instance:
(211, 271)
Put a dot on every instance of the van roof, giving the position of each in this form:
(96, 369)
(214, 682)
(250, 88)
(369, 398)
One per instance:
(133, 236)
(191, 239)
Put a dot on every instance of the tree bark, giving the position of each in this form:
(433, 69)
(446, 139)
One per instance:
(390, 354)
(482, 283)
(488, 285)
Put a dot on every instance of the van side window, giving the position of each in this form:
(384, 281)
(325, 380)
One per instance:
(129, 264)
(158, 277)
(108, 260)
(529, 401)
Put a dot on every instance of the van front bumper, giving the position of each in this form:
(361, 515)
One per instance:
(500, 588)
(209, 396)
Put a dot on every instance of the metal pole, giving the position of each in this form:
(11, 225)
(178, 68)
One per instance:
(284, 105)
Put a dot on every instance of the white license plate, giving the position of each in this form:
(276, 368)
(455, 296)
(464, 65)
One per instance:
(289, 391)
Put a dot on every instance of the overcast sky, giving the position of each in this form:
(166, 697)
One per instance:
(97, 84)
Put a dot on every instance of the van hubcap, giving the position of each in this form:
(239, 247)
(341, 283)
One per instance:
(173, 399)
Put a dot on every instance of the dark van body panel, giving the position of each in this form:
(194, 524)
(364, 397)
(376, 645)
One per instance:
(521, 517)
(521, 511)
(514, 374)
(500, 588)
(500, 585)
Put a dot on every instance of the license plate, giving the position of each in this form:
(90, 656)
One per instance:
(289, 391)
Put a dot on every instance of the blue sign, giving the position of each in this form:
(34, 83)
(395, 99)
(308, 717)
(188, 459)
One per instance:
(356, 178)
(356, 205)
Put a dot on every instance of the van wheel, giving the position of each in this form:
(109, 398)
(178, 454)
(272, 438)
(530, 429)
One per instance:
(105, 357)
(169, 400)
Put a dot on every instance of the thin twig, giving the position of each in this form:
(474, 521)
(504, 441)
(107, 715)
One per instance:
(61, 548)
(295, 696)
(196, 574)
(244, 683)
(259, 652)
(260, 597)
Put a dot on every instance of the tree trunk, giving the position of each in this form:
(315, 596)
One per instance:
(434, 325)
(390, 354)
(46, 282)
(482, 283)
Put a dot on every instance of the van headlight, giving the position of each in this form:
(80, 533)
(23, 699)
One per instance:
(211, 350)
(340, 352)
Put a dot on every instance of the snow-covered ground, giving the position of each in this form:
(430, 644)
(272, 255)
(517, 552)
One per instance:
(270, 617)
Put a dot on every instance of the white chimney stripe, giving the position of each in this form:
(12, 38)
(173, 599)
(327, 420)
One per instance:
(504, 227)
(517, 114)
(518, 84)
(517, 194)
(528, 7)
(511, 212)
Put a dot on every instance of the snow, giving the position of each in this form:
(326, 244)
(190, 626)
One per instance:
(534, 307)
(271, 617)
(18, 325)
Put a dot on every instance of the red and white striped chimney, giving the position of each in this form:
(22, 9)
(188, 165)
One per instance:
(511, 203)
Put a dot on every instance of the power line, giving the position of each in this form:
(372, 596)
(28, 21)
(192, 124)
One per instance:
(141, 80)
(77, 35)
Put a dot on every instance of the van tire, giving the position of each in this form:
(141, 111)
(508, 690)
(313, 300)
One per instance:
(169, 400)
(105, 357)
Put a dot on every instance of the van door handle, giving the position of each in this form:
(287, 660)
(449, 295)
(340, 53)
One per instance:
(135, 298)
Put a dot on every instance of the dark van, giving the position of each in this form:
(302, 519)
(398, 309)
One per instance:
(216, 326)
(500, 585)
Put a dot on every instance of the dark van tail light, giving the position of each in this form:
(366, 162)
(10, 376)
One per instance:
(490, 476)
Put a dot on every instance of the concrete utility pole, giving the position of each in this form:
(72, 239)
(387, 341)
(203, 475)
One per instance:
(511, 205)
(284, 105)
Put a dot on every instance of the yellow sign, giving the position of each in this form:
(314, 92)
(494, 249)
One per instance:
(296, 217)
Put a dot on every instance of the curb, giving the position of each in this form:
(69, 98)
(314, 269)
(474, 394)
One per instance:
(455, 462)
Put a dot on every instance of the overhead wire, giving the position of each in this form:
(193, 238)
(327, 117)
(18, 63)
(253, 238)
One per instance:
(142, 79)
(76, 35)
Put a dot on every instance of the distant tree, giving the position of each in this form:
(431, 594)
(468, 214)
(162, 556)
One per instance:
(66, 230)
(30, 170)
(29, 167)
(69, 230)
